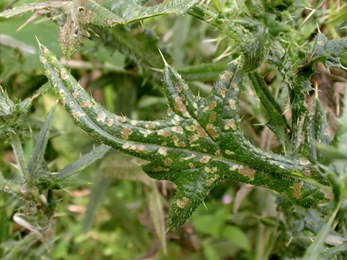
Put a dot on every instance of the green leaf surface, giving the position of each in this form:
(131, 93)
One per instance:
(313, 252)
(277, 123)
(237, 236)
(328, 51)
(107, 13)
(99, 190)
(197, 145)
(37, 162)
(83, 162)
(157, 214)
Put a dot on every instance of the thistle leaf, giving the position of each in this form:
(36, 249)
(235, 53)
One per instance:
(328, 51)
(277, 123)
(104, 13)
(83, 162)
(37, 162)
(198, 144)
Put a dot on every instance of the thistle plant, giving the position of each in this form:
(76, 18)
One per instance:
(200, 142)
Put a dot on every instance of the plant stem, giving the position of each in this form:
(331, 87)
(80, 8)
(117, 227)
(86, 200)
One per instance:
(18, 152)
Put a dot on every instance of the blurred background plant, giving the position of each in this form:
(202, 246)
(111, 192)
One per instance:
(52, 206)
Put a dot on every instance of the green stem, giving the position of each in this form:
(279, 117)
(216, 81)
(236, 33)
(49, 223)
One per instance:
(18, 152)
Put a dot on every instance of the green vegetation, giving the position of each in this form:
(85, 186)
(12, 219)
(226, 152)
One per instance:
(248, 162)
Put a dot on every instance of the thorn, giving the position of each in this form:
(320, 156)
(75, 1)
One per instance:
(318, 28)
(316, 89)
(38, 42)
(203, 203)
(155, 69)
(162, 56)
(308, 17)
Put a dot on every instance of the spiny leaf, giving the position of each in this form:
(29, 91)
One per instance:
(35, 7)
(7, 107)
(96, 197)
(156, 211)
(197, 145)
(37, 162)
(316, 247)
(83, 162)
(105, 13)
(328, 51)
(277, 123)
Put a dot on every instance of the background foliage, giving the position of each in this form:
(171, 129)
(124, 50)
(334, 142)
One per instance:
(109, 208)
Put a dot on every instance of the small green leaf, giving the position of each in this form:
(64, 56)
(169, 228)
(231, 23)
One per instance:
(313, 252)
(157, 214)
(37, 162)
(83, 162)
(96, 197)
(328, 51)
(277, 123)
(237, 236)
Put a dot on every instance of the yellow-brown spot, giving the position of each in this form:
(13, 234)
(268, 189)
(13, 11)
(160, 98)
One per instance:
(168, 162)
(45, 51)
(78, 114)
(223, 92)
(212, 105)
(110, 122)
(234, 167)
(232, 104)
(212, 117)
(101, 117)
(234, 85)
(246, 171)
(191, 165)
(229, 124)
(145, 133)
(193, 138)
(211, 130)
(297, 190)
(329, 196)
(43, 60)
(158, 169)
(218, 153)
(183, 203)
(75, 94)
(63, 75)
(304, 161)
(140, 148)
(307, 171)
(228, 152)
(121, 118)
(178, 129)
(85, 104)
(126, 146)
(178, 88)
(180, 106)
(228, 75)
(150, 127)
(190, 127)
(201, 131)
(162, 151)
(165, 133)
(210, 170)
(125, 133)
(205, 159)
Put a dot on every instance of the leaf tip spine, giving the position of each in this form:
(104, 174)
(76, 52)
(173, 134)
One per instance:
(162, 56)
